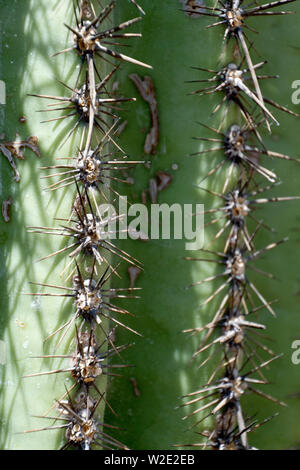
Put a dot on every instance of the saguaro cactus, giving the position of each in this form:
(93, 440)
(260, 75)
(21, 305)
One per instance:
(147, 398)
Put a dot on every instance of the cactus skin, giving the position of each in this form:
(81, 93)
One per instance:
(27, 43)
(166, 308)
(172, 43)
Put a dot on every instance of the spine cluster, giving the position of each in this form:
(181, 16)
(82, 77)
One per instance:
(233, 334)
(93, 171)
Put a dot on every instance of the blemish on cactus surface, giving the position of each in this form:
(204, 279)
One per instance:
(146, 89)
(6, 209)
(16, 149)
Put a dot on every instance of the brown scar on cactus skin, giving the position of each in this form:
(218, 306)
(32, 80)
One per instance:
(163, 180)
(6, 209)
(136, 390)
(153, 190)
(9, 157)
(133, 272)
(156, 185)
(147, 91)
(17, 146)
(16, 149)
